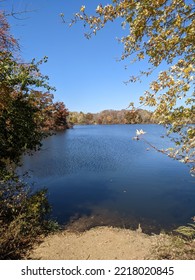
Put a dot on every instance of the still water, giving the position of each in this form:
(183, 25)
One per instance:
(98, 171)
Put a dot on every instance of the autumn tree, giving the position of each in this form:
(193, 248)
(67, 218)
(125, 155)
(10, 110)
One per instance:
(19, 129)
(23, 113)
(7, 41)
(50, 115)
(73, 117)
(59, 116)
(111, 117)
(160, 32)
(132, 117)
(89, 118)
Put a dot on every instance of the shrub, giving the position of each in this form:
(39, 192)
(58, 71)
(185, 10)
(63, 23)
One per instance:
(22, 216)
(187, 231)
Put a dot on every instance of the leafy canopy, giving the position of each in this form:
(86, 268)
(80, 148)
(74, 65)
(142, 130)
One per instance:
(158, 32)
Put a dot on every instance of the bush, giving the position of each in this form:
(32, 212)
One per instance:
(22, 216)
(187, 231)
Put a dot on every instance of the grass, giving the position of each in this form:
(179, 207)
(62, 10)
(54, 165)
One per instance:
(174, 247)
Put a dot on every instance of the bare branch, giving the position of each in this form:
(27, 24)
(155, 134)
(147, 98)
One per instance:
(14, 14)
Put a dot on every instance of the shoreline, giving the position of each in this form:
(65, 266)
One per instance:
(111, 243)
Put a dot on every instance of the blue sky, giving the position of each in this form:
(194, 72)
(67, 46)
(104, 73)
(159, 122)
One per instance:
(84, 72)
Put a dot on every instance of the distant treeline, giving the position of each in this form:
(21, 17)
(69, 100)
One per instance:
(112, 117)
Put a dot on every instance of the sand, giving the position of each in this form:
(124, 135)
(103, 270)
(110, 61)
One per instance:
(99, 243)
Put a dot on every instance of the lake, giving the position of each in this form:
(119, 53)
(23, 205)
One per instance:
(98, 171)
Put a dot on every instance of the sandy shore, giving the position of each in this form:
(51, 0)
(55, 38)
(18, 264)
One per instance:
(99, 243)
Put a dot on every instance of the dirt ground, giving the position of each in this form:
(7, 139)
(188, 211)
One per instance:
(99, 243)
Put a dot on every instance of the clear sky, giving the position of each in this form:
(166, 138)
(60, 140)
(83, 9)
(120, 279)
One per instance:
(84, 72)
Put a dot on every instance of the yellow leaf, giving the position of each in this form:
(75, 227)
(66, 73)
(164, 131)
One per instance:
(82, 9)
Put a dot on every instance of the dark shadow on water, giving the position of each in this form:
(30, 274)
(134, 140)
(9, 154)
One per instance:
(73, 203)
(81, 223)
(92, 203)
(81, 211)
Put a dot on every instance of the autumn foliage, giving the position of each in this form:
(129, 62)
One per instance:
(27, 115)
(112, 117)
(7, 41)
